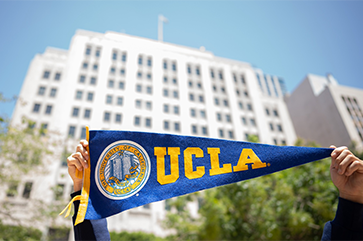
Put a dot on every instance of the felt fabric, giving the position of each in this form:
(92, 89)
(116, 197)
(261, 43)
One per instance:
(130, 169)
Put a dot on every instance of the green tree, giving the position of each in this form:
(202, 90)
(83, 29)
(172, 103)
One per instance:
(134, 236)
(292, 204)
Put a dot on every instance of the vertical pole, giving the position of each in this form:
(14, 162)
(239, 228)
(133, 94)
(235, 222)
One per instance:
(160, 28)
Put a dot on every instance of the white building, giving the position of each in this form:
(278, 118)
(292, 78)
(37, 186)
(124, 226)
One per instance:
(326, 112)
(122, 82)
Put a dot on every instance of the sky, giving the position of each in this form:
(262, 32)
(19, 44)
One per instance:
(288, 39)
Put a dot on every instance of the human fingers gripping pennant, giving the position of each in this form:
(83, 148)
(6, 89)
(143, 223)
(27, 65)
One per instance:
(130, 169)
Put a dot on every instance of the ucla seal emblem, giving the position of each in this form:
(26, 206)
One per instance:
(122, 170)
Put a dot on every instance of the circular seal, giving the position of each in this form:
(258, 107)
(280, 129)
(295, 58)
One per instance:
(122, 170)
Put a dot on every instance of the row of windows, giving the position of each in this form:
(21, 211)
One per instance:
(195, 113)
(72, 132)
(111, 84)
(76, 112)
(225, 133)
(79, 95)
(88, 51)
(197, 84)
(139, 89)
(242, 78)
(273, 128)
(194, 97)
(47, 74)
(86, 64)
(252, 121)
(140, 103)
(220, 74)
(167, 109)
(92, 81)
(13, 190)
(171, 93)
(140, 75)
(166, 64)
(193, 69)
(274, 112)
(173, 80)
(42, 89)
(168, 125)
(199, 130)
(115, 54)
(149, 61)
(37, 107)
(122, 71)
(119, 100)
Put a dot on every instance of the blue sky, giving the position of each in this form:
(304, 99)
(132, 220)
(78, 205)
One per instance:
(288, 39)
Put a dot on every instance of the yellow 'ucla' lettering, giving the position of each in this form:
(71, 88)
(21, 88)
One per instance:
(160, 153)
(188, 162)
(248, 156)
(214, 162)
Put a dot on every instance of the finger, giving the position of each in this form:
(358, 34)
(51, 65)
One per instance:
(81, 149)
(347, 158)
(337, 156)
(84, 143)
(81, 159)
(356, 165)
(72, 161)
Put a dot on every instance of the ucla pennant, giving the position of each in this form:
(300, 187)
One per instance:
(122, 170)
(131, 169)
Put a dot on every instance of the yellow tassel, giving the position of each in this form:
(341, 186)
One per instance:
(69, 206)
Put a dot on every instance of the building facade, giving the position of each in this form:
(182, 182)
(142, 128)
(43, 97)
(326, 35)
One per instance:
(114, 81)
(326, 112)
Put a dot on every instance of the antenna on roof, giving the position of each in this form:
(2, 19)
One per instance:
(161, 20)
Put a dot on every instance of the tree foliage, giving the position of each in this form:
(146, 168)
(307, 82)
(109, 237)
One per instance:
(15, 233)
(134, 236)
(293, 204)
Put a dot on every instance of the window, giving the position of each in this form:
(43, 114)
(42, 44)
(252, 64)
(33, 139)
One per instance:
(189, 69)
(93, 80)
(221, 133)
(138, 88)
(197, 71)
(190, 84)
(176, 110)
(205, 130)
(214, 88)
(124, 56)
(83, 133)
(201, 99)
(41, 90)
(139, 75)
(220, 75)
(219, 117)
(223, 89)
(194, 129)
(48, 110)
(137, 121)
(228, 118)
(166, 125)
(27, 189)
(148, 122)
(122, 71)
(75, 112)
(36, 108)
(165, 92)
(267, 111)
(271, 127)
(121, 85)
(140, 60)
(46, 74)
(199, 85)
(175, 81)
(216, 101)
(174, 66)
(192, 112)
(149, 90)
(87, 113)
(43, 128)
(118, 118)
(243, 79)
(165, 79)
(165, 64)
(114, 55)
(237, 92)
(253, 122)
(88, 51)
(12, 190)
(90, 96)
(148, 105)
(109, 99)
(240, 105)
(245, 93)
(79, 94)
(212, 74)
(276, 113)
(176, 126)
(111, 83)
(230, 134)
(191, 97)
(57, 76)
(148, 76)
(176, 94)
(138, 103)
(53, 92)
(107, 116)
(244, 121)
(279, 128)
(235, 78)
(120, 101)
(71, 131)
(166, 108)
(112, 70)
(202, 114)
(249, 107)
(95, 67)
(149, 62)
(275, 141)
(82, 79)
(85, 65)
(98, 53)
(225, 102)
